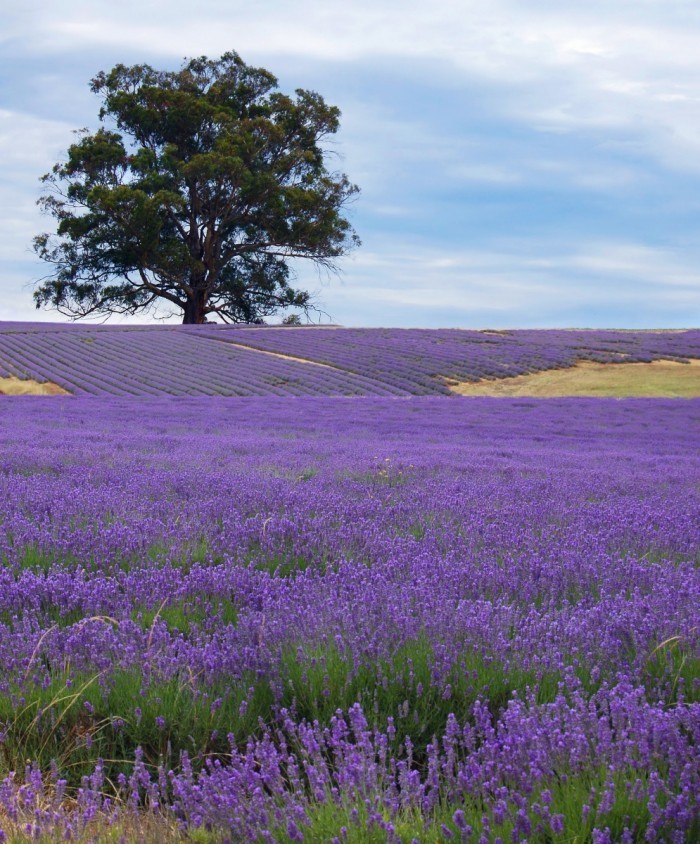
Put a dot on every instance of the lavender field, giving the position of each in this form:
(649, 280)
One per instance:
(211, 360)
(313, 619)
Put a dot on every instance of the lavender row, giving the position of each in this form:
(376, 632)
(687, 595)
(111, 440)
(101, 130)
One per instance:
(165, 362)
(213, 360)
(420, 361)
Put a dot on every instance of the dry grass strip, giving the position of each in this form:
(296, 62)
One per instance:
(12, 386)
(282, 356)
(659, 379)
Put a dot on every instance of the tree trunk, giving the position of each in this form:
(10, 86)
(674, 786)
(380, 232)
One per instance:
(194, 313)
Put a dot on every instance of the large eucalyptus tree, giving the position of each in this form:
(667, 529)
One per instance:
(198, 191)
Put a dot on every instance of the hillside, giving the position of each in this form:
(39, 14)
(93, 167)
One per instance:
(224, 360)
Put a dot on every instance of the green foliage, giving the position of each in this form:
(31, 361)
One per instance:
(292, 319)
(189, 616)
(576, 798)
(75, 720)
(673, 671)
(316, 683)
(212, 182)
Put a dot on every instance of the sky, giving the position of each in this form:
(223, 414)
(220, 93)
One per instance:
(522, 163)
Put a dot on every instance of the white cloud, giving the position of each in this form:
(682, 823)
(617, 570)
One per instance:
(29, 146)
(560, 67)
(659, 267)
(28, 141)
(583, 97)
(520, 283)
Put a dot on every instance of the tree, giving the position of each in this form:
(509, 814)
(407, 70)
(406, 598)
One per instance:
(208, 183)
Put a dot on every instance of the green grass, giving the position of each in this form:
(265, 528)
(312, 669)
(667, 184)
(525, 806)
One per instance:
(576, 797)
(75, 720)
(672, 671)
(566, 796)
(31, 558)
(315, 684)
(52, 722)
(189, 615)
(288, 563)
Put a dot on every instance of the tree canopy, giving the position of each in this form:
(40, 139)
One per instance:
(196, 193)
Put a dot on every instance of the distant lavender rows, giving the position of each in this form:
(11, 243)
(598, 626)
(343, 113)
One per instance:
(417, 361)
(556, 537)
(214, 360)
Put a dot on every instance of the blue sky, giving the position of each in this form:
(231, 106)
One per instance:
(522, 164)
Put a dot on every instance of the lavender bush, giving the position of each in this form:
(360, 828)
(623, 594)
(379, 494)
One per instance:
(419, 361)
(248, 361)
(377, 620)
